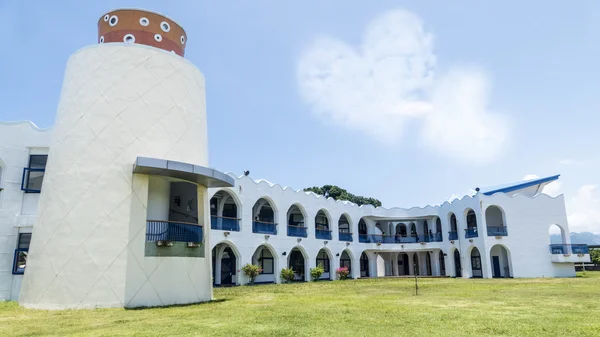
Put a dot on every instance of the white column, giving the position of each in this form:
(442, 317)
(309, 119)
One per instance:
(411, 265)
(218, 257)
(394, 263)
(435, 263)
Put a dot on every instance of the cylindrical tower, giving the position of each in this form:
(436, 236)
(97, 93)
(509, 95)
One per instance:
(92, 243)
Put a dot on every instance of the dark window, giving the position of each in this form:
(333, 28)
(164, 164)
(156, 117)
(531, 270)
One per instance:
(20, 259)
(265, 261)
(323, 260)
(33, 174)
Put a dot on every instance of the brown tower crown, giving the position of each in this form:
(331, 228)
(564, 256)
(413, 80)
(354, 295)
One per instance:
(142, 27)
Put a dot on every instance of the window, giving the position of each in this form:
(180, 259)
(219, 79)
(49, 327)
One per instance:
(20, 259)
(323, 260)
(265, 261)
(33, 175)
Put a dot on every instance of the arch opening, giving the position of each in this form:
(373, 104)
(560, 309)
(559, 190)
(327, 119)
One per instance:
(476, 270)
(471, 230)
(265, 257)
(442, 262)
(500, 260)
(362, 231)
(225, 213)
(264, 215)
(457, 265)
(344, 228)
(322, 229)
(297, 262)
(346, 261)
(225, 262)
(364, 265)
(495, 222)
(296, 224)
(453, 233)
(323, 260)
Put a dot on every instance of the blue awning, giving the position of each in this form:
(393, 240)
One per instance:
(519, 185)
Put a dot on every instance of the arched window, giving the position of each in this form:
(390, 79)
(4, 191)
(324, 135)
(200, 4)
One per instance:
(344, 228)
(297, 263)
(364, 265)
(346, 261)
(362, 231)
(224, 212)
(263, 217)
(323, 261)
(476, 263)
(296, 225)
(494, 220)
(322, 230)
(471, 230)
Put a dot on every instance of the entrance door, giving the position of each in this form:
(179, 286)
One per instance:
(227, 267)
(457, 267)
(496, 263)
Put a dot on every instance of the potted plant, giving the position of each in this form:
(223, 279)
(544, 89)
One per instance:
(251, 271)
(316, 272)
(342, 273)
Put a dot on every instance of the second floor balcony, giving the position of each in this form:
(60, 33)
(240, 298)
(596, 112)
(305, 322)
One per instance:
(264, 227)
(452, 235)
(299, 231)
(345, 236)
(569, 249)
(471, 233)
(172, 231)
(224, 223)
(323, 234)
(497, 231)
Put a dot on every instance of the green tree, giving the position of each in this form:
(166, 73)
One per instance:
(595, 256)
(339, 193)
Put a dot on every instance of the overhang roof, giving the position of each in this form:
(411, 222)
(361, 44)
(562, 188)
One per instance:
(513, 187)
(193, 173)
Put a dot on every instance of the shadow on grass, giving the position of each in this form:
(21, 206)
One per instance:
(178, 305)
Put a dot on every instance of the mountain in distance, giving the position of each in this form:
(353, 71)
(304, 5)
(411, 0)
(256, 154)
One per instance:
(581, 238)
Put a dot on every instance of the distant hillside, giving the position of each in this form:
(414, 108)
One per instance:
(585, 237)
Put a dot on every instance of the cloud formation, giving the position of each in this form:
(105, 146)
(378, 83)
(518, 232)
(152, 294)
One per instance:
(390, 79)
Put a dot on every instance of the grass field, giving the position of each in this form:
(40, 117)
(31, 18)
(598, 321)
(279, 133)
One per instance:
(384, 307)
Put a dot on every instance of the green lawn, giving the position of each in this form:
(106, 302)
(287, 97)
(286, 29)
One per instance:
(385, 307)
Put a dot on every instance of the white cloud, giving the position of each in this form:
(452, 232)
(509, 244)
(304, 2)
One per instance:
(570, 162)
(377, 87)
(583, 210)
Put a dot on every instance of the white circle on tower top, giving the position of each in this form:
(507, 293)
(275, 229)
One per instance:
(101, 39)
(129, 38)
(182, 39)
(106, 17)
(165, 26)
(113, 20)
(158, 37)
(144, 21)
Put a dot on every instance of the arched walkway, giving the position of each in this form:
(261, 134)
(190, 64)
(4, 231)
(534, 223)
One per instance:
(225, 212)
(297, 261)
(453, 234)
(500, 259)
(296, 221)
(457, 265)
(324, 260)
(346, 261)
(322, 229)
(225, 263)
(471, 230)
(264, 214)
(362, 231)
(266, 258)
(476, 270)
(495, 222)
(364, 265)
(345, 234)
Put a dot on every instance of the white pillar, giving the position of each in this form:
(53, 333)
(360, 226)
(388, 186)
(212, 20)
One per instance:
(435, 263)
(411, 265)
(394, 258)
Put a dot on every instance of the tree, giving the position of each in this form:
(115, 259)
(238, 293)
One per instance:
(595, 256)
(339, 193)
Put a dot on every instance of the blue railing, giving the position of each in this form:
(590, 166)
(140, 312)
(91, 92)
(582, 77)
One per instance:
(497, 231)
(471, 233)
(323, 234)
(263, 227)
(346, 237)
(173, 231)
(452, 235)
(298, 231)
(364, 238)
(569, 249)
(224, 223)
(433, 237)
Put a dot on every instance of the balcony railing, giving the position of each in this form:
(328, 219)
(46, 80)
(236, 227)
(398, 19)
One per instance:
(299, 231)
(157, 230)
(497, 231)
(323, 234)
(471, 233)
(364, 238)
(452, 235)
(224, 223)
(346, 237)
(264, 227)
(569, 249)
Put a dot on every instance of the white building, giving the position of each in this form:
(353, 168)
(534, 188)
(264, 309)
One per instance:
(112, 206)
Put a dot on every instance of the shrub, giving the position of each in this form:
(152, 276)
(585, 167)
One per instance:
(251, 271)
(342, 273)
(316, 272)
(287, 275)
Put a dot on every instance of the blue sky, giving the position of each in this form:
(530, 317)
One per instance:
(409, 102)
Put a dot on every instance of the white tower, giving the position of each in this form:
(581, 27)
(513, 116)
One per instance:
(123, 216)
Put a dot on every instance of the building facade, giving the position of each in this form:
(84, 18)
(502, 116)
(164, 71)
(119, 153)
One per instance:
(115, 206)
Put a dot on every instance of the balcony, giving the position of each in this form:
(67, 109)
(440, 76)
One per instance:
(224, 223)
(471, 233)
(323, 234)
(575, 253)
(497, 231)
(435, 237)
(345, 237)
(452, 235)
(166, 231)
(406, 239)
(263, 227)
(299, 231)
(364, 238)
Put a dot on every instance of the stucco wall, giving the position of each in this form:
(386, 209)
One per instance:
(118, 101)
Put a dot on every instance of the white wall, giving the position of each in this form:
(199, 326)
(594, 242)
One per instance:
(17, 141)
